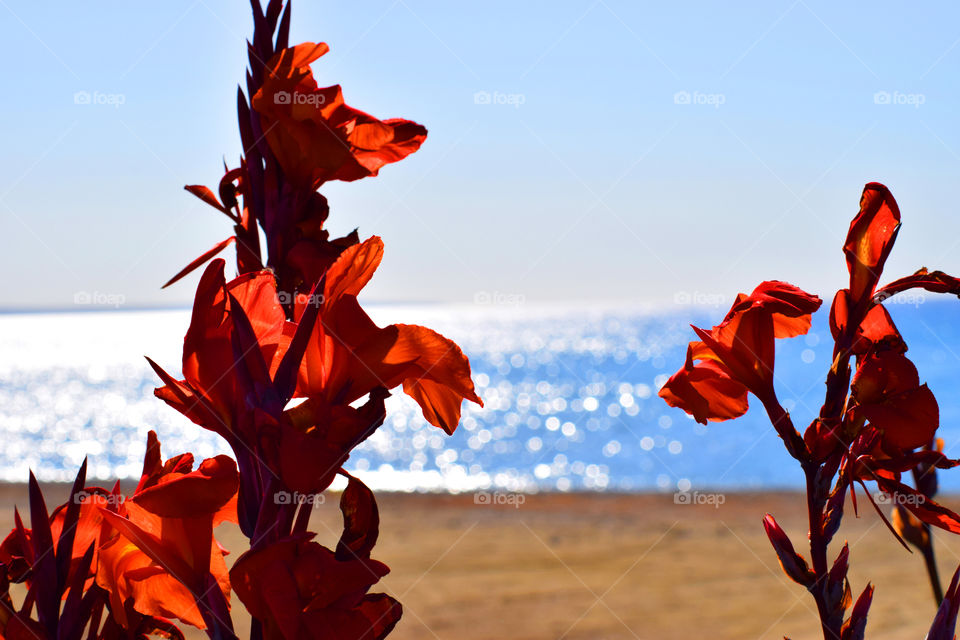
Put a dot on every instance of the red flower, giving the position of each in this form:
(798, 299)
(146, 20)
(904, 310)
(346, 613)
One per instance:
(876, 329)
(705, 389)
(212, 393)
(56, 559)
(164, 556)
(280, 587)
(231, 376)
(886, 391)
(869, 242)
(349, 355)
(870, 239)
(737, 355)
(314, 135)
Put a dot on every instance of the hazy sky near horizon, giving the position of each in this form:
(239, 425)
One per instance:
(578, 150)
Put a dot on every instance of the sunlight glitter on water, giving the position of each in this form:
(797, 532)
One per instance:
(570, 402)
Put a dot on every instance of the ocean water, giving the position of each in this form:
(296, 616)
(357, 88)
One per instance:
(570, 394)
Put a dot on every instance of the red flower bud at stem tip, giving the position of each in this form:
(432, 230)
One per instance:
(855, 627)
(837, 578)
(792, 562)
(945, 622)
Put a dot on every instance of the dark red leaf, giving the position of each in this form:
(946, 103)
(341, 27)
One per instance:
(69, 531)
(206, 255)
(205, 194)
(285, 380)
(945, 622)
(45, 562)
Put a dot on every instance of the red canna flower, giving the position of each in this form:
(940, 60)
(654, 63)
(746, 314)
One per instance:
(314, 135)
(870, 239)
(345, 358)
(705, 389)
(212, 393)
(349, 355)
(887, 393)
(874, 428)
(737, 355)
(50, 560)
(858, 320)
(83, 530)
(278, 583)
(164, 556)
(59, 559)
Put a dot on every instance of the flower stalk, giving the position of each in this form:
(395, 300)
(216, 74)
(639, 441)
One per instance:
(876, 423)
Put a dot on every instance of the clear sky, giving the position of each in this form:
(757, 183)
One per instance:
(587, 176)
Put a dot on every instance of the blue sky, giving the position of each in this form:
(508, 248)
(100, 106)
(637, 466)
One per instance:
(586, 177)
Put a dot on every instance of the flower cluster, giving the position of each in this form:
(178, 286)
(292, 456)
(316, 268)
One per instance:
(124, 565)
(877, 421)
(285, 365)
(243, 364)
(296, 137)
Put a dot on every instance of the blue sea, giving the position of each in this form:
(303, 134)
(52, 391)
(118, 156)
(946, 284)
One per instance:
(570, 399)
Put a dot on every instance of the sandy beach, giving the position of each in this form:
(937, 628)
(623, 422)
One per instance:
(597, 566)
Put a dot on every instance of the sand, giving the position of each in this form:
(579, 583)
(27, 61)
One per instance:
(591, 566)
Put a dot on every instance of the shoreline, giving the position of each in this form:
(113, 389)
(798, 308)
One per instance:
(584, 566)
